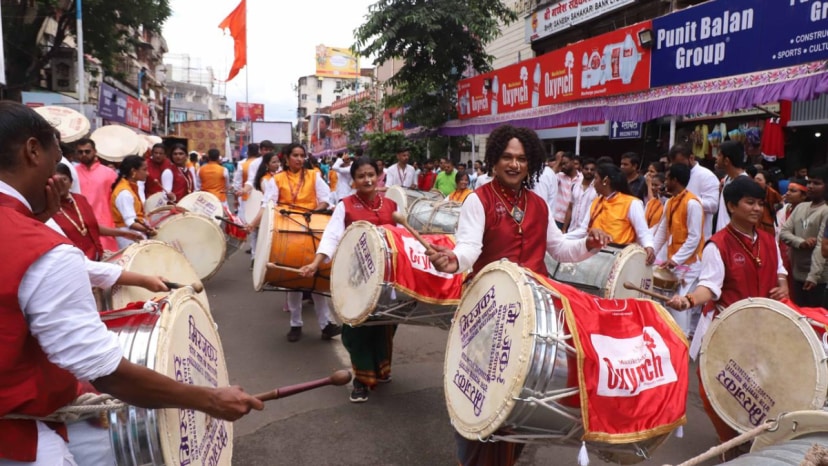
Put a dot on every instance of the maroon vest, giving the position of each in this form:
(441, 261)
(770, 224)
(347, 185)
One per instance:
(182, 182)
(154, 171)
(31, 385)
(356, 210)
(90, 243)
(743, 278)
(502, 238)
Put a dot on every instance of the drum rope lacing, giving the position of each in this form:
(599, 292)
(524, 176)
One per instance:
(768, 426)
(85, 406)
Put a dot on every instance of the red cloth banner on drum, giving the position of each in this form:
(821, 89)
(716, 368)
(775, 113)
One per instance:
(632, 366)
(231, 229)
(818, 315)
(413, 272)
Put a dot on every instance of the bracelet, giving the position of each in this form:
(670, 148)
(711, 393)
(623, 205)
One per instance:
(690, 301)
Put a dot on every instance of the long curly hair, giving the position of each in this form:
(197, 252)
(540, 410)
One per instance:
(532, 146)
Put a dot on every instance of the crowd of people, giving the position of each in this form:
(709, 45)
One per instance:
(64, 214)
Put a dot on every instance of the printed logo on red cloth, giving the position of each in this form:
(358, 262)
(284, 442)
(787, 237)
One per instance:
(629, 366)
(413, 272)
(417, 256)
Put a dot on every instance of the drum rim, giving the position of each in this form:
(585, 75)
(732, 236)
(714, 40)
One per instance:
(264, 242)
(381, 272)
(254, 198)
(624, 255)
(791, 426)
(525, 359)
(213, 227)
(821, 368)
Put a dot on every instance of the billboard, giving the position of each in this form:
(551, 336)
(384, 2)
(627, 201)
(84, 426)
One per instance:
(119, 107)
(609, 64)
(277, 132)
(336, 62)
(249, 112)
(728, 38)
(203, 135)
(565, 14)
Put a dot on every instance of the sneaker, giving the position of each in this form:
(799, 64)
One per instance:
(331, 330)
(360, 392)
(295, 334)
(385, 380)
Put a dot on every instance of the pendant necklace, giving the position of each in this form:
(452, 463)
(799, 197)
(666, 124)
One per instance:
(516, 212)
(82, 227)
(755, 257)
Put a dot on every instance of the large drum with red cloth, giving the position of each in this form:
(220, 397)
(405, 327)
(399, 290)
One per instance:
(175, 336)
(510, 369)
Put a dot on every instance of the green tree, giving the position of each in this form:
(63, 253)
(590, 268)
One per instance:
(107, 26)
(437, 40)
(360, 112)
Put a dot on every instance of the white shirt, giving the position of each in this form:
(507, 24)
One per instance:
(394, 176)
(724, 216)
(334, 232)
(75, 189)
(483, 179)
(343, 183)
(547, 186)
(124, 202)
(323, 192)
(469, 237)
(101, 274)
(713, 271)
(704, 184)
(695, 216)
(579, 220)
(167, 180)
(56, 298)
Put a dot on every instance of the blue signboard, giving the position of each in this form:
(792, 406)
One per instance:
(731, 37)
(112, 104)
(625, 130)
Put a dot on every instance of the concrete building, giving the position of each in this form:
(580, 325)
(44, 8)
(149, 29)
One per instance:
(189, 102)
(314, 93)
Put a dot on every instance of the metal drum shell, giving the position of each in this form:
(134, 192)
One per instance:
(434, 216)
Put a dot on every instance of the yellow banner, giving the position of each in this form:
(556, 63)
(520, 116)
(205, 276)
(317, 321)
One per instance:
(335, 62)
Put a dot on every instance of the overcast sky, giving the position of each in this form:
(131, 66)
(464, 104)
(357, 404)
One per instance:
(281, 41)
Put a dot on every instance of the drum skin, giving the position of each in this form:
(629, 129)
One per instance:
(203, 203)
(760, 358)
(252, 205)
(178, 339)
(291, 240)
(148, 257)
(155, 201)
(198, 238)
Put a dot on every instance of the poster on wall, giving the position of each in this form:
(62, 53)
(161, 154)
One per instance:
(727, 38)
(565, 14)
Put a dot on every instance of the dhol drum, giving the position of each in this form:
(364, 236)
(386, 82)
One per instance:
(289, 237)
(234, 234)
(155, 201)
(198, 238)
(665, 281)
(252, 205)
(760, 358)
(363, 288)
(604, 273)
(506, 369)
(430, 216)
(175, 336)
(405, 197)
(148, 257)
(203, 203)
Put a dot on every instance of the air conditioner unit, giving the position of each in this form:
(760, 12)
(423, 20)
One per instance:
(64, 76)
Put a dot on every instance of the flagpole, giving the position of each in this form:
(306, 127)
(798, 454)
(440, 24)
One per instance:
(247, 78)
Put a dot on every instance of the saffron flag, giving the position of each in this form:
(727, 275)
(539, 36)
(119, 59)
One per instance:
(236, 22)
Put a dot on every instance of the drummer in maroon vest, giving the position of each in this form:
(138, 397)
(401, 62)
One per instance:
(504, 219)
(740, 261)
(43, 282)
(183, 181)
(160, 173)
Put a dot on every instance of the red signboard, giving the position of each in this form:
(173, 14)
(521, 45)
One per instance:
(251, 112)
(138, 114)
(609, 64)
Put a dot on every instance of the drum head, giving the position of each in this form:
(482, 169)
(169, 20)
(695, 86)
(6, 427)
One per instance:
(397, 194)
(151, 257)
(114, 143)
(252, 205)
(203, 203)
(630, 266)
(358, 272)
(264, 242)
(190, 351)
(489, 349)
(71, 124)
(199, 239)
(760, 359)
(155, 201)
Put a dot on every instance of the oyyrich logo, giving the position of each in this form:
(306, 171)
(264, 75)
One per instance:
(629, 366)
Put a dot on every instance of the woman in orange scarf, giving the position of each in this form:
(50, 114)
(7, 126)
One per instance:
(462, 191)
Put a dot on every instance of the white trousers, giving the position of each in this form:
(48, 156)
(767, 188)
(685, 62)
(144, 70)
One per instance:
(90, 445)
(320, 305)
(686, 319)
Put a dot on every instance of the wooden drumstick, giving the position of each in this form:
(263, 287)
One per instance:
(197, 287)
(337, 378)
(649, 293)
(230, 222)
(400, 218)
(271, 265)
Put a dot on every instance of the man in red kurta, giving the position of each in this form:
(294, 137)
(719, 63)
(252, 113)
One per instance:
(160, 173)
(504, 219)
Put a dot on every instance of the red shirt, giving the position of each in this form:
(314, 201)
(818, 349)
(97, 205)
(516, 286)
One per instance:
(426, 180)
(154, 171)
(72, 224)
(743, 276)
(182, 182)
(379, 213)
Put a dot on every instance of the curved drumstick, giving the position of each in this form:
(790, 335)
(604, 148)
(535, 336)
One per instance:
(400, 218)
(196, 286)
(230, 222)
(337, 378)
(649, 293)
(271, 265)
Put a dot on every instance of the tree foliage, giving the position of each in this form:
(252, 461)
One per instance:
(107, 27)
(437, 40)
(360, 113)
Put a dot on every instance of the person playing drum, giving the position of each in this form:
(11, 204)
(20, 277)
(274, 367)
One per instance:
(370, 347)
(299, 188)
(183, 179)
(127, 205)
(738, 262)
(160, 173)
(503, 219)
(52, 333)
(618, 212)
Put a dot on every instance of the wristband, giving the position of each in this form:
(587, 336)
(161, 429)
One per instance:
(690, 301)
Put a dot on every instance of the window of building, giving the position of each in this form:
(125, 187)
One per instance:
(339, 84)
(319, 83)
(303, 81)
(319, 98)
(199, 116)
(178, 96)
(304, 98)
(177, 116)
